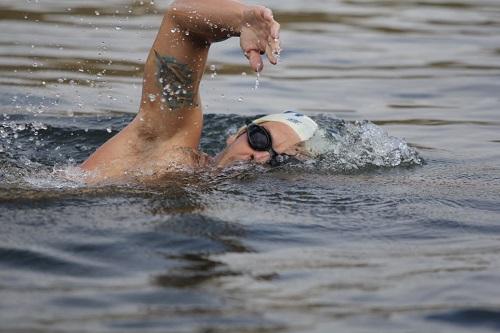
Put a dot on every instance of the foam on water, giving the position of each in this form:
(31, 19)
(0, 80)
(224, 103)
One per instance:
(44, 152)
(59, 177)
(347, 146)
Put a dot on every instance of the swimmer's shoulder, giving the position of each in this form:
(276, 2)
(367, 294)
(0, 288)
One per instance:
(147, 169)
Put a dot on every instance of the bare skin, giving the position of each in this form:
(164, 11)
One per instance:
(165, 134)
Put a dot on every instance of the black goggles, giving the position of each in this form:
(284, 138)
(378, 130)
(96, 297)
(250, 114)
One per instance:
(260, 139)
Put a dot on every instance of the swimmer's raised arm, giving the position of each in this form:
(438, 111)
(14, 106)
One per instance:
(178, 57)
(170, 115)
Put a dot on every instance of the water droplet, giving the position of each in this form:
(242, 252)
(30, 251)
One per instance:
(213, 68)
(257, 82)
(108, 129)
(97, 13)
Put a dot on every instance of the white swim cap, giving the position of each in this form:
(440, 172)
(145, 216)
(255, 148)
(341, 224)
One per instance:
(300, 123)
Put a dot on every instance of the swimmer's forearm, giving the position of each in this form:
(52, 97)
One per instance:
(209, 20)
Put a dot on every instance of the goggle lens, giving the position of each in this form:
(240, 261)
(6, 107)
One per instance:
(258, 138)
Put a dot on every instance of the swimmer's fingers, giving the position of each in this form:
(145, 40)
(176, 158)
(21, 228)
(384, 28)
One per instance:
(267, 14)
(260, 35)
(273, 50)
(255, 60)
(273, 59)
(275, 30)
(273, 47)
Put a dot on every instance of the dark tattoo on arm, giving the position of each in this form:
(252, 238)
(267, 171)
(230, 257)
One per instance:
(176, 83)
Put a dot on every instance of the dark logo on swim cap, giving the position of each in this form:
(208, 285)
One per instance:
(296, 114)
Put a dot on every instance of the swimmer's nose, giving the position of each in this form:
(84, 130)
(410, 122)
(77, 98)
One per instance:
(261, 157)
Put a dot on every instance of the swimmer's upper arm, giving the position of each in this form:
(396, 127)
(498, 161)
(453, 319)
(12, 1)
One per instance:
(171, 104)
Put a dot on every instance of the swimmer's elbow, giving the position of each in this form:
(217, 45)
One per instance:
(178, 12)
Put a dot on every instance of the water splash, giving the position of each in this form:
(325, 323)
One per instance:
(349, 146)
(152, 97)
(31, 147)
(61, 177)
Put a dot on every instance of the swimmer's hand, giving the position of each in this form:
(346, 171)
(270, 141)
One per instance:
(259, 34)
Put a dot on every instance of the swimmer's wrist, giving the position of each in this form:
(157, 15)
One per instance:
(212, 20)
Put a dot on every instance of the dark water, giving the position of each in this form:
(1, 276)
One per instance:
(365, 239)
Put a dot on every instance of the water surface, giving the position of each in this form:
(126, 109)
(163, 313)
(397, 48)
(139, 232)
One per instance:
(365, 245)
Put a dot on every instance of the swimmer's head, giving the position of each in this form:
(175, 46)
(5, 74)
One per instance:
(286, 130)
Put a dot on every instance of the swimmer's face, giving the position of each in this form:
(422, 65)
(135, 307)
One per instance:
(284, 139)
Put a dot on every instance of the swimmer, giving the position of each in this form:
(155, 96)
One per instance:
(165, 134)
